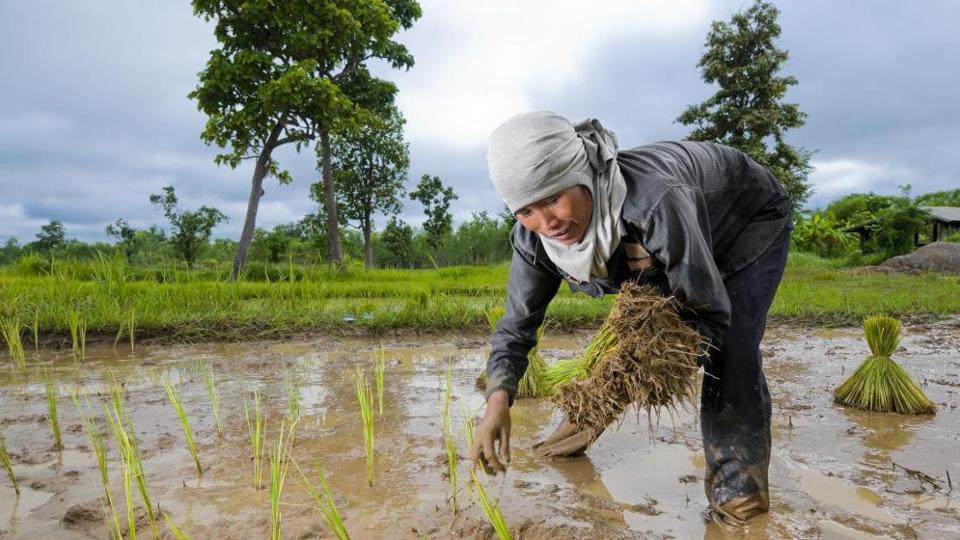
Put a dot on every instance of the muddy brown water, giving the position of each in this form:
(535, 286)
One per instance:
(832, 474)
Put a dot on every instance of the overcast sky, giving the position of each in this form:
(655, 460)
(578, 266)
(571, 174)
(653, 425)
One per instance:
(94, 115)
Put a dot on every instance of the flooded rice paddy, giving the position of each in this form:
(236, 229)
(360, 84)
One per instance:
(833, 473)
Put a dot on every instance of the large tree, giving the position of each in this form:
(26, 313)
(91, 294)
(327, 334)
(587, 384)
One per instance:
(435, 198)
(369, 168)
(748, 111)
(288, 73)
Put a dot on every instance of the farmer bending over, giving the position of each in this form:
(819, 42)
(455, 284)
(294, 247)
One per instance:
(701, 221)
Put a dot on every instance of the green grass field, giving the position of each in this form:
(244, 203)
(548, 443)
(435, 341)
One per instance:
(110, 297)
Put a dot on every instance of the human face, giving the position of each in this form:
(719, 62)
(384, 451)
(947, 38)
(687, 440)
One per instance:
(563, 217)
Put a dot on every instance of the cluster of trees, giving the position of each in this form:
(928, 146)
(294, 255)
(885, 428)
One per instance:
(893, 224)
(482, 239)
(297, 73)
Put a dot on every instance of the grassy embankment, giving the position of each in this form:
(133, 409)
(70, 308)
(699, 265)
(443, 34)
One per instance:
(109, 298)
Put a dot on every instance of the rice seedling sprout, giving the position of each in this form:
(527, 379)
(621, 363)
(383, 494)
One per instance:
(449, 439)
(133, 455)
(490, 508)
(99, 448)
(174, 530)
(291, 383)
(364, 399)
(11, 334)
(188, 433)
(7, 464)
(279, 462)
(212, 395)
(78, 335)
(36, 332)
(380, 364)
(325, 503)
(128, 495)
(53, 417)
(132, 326)
(131, 462)
(256, 427)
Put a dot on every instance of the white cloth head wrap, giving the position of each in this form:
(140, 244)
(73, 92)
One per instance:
(535, 155)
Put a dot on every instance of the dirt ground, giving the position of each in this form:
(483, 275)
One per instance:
(832, 475)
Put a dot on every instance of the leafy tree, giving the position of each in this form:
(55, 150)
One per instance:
(190, 230)
(479, 240)
(821, 234)
(397, 240)
(290, 72)
(10, 251)
(435, 199)
(897, 227)
(370, 167)
(939, 198)
(747, 111)
(51, 237)
(125, 234)
(274, 245)
(857, 208)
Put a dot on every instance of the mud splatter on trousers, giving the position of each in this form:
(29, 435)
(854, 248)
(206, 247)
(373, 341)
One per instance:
(734, 402)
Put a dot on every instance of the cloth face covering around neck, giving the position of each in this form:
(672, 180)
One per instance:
(533, 156)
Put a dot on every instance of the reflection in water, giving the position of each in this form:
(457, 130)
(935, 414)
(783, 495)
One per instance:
(882, 434)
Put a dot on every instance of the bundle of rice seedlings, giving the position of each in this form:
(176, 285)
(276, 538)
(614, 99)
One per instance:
(879, 384)
(580, 367)
(648, 359)
(533, 382)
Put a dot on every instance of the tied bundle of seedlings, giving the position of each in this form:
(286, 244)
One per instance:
(533, 383)
(580, 367)
(879, 384)
(649, 359)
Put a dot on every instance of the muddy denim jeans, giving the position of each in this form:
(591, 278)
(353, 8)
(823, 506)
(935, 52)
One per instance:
(735, 403)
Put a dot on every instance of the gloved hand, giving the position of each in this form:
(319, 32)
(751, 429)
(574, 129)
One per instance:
(568, 440)
(493, 428)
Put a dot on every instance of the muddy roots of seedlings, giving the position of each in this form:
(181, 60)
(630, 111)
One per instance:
(879, 384)
(651, 362)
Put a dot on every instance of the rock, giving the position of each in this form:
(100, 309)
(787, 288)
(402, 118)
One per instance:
(943, 257)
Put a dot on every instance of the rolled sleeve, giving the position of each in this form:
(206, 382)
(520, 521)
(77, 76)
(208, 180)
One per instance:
(530, 288)
(679, 239)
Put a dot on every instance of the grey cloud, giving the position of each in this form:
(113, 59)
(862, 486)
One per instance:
(97, 117)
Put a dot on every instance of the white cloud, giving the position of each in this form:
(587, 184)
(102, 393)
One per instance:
(834, 178)
(495, 54)
(15, 223)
